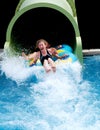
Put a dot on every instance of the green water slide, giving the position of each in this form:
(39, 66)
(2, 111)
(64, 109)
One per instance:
(53, 20)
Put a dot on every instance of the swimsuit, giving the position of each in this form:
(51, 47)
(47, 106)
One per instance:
(42, 58)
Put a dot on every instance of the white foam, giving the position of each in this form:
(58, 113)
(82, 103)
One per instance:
(58, 101)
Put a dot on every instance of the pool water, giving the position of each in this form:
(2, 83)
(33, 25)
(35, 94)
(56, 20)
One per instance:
(69, 99)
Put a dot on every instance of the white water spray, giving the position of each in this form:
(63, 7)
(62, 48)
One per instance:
(57, 101)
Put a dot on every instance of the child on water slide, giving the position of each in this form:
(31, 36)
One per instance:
(45, 55)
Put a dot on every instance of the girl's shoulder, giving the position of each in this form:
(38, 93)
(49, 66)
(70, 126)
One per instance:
(52, 49)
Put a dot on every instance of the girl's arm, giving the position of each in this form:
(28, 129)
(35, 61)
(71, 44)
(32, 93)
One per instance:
(30, 56)
(55, 53)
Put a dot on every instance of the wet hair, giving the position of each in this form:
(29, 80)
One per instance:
(41, 40)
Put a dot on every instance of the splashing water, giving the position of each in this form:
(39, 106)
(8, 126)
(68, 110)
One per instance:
(33, 100)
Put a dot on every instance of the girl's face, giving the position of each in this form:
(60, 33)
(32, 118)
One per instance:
(41, 45)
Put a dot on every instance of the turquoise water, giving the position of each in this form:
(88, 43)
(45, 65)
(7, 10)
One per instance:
(69, 99)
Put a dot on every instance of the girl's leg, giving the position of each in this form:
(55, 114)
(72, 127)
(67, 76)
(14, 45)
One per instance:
(46, 66)
(52, 64)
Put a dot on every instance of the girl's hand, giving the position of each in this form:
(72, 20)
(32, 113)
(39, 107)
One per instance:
(64, 56)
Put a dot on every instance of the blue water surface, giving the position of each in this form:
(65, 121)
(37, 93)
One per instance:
(69, 99)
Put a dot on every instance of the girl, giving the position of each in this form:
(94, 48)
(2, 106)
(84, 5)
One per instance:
(45, 55)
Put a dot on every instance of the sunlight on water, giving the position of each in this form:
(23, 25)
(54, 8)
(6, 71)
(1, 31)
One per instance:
(35, 100)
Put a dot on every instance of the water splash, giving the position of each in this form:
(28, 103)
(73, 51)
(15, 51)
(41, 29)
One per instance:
(54, 101)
